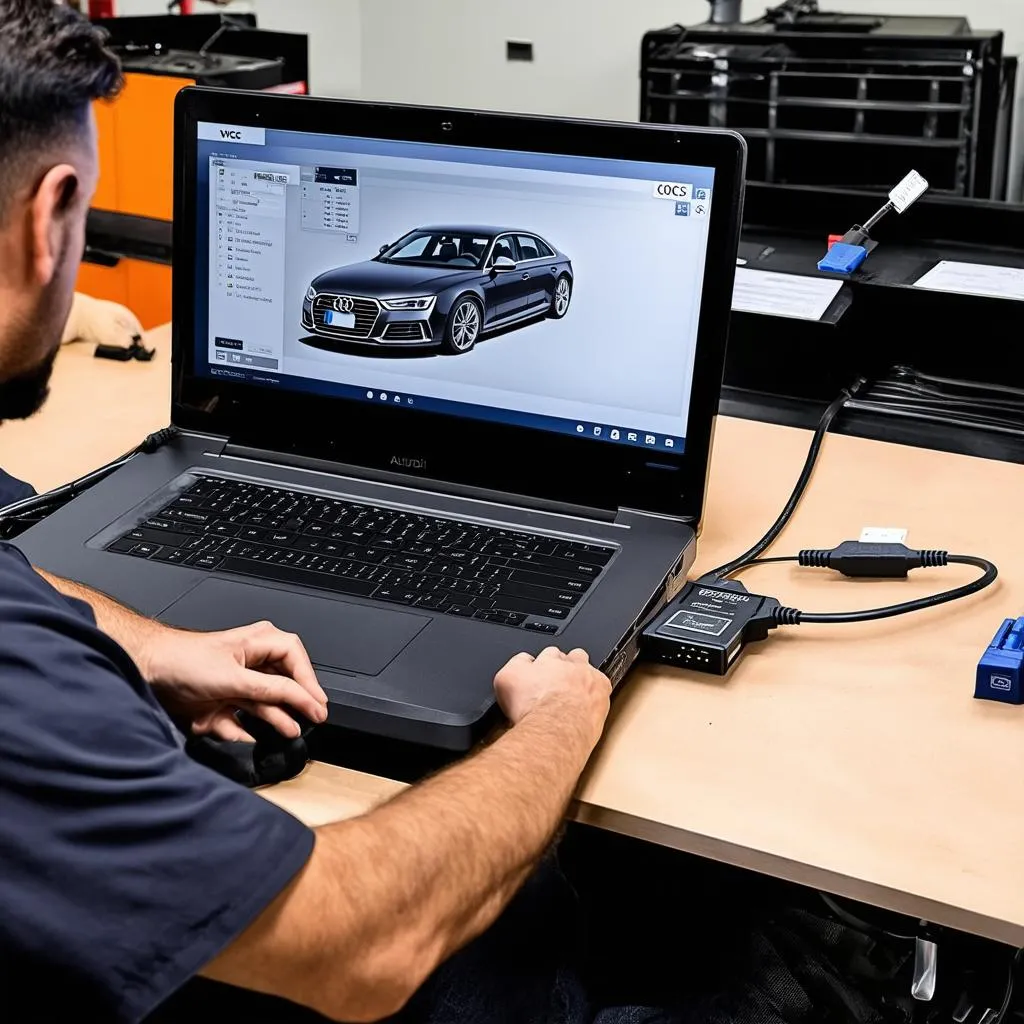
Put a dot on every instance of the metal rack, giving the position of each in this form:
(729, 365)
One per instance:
(842, 100)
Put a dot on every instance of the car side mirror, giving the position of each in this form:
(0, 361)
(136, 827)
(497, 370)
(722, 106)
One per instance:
(503, 264)
(383, 248)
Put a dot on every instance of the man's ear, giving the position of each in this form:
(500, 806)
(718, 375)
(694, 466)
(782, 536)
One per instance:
(51, 224)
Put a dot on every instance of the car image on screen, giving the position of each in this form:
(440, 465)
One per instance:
(441, 288)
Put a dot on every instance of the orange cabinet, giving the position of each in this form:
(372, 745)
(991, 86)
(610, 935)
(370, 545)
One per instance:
(145, 288)
(137, 146)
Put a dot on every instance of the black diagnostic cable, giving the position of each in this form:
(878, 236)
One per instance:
(813, 451)
(876, 561)
(19, 513)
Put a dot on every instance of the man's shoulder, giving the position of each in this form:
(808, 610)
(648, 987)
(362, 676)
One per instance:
(28, 600)
(12, 489)
(17, 575)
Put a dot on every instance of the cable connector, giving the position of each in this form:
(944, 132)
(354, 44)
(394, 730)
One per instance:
(157, 440)
(876, 561)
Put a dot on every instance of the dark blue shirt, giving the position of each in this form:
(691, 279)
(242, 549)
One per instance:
(12, 489)
(124, 865)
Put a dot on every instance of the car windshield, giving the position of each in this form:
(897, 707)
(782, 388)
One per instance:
(438, 249)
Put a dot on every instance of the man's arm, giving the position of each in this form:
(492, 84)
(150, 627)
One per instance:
(132, 631)
(201, 678)
(386, 898)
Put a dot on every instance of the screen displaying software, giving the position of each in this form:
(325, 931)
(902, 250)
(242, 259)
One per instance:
(555, 292)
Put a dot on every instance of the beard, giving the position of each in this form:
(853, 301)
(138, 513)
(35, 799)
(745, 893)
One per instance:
(23, 395)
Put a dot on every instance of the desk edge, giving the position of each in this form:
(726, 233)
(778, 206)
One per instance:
(807, 875)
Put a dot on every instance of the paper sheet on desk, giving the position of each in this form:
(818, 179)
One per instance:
(974, 279)
(792, 295)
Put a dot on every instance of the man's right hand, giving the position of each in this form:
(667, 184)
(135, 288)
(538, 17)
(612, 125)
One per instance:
(567, 683)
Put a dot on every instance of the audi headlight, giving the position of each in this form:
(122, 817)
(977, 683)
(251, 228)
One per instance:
(310, 293)
(422, 304)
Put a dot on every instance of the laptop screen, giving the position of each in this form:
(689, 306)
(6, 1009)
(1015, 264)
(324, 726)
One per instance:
(555, 292)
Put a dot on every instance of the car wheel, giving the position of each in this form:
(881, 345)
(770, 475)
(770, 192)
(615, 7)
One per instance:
(463, 327)
(561, 298)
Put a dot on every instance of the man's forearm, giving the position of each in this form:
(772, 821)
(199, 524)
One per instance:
(386, 898)
(485, 823)
(130, 629)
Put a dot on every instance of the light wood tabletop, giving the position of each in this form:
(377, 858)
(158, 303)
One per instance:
(852, 758)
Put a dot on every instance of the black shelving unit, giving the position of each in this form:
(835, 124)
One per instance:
(843, 100)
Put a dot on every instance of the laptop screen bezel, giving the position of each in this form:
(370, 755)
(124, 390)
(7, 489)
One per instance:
(544, 466)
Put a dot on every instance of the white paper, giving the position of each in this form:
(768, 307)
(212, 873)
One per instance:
(974, 279)
(792, 295)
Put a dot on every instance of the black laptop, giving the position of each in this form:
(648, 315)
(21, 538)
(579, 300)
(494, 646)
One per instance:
(445, 383)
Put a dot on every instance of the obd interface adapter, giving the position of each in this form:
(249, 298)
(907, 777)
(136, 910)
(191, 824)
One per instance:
(707, 626)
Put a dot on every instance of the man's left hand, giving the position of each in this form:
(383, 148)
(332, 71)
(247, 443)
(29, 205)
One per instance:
(202, 678)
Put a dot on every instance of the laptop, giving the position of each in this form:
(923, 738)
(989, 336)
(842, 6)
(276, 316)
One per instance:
(445, 384)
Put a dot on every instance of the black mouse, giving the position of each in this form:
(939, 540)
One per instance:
(272, 758)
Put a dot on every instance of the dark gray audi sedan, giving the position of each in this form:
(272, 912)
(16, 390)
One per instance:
(440, 287)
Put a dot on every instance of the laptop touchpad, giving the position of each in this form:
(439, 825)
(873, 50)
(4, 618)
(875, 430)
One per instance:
(337, 634)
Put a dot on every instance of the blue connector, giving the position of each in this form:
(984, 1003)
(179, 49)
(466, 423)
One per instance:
(843, 258)
(1000, 669)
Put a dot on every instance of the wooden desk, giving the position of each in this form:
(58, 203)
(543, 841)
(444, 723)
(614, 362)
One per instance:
(852, 758)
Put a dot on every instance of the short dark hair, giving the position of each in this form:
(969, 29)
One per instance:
(53, 63)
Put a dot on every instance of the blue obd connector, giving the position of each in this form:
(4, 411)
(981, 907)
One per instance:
(1002, 665)
(843, 258)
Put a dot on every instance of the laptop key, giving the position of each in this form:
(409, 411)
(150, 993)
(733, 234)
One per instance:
(123, 546)
(174, 540)
(395, 596)
(188, 516)
(162, 523)
(207, 561)
(144, 550)
(550, 611)
(463, 610)
(281, 538)
(586, 553)
(170, 555)
(537, 579)
(541, 627)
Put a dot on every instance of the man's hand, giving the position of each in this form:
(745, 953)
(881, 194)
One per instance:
(202, 678)
(566, 682)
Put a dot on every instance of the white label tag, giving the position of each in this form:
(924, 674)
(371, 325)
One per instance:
(908, 191)
(882, 535)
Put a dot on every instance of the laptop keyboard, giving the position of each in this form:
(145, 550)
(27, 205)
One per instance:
(359, 550)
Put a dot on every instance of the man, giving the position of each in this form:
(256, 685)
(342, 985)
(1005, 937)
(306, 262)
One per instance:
(126, 868)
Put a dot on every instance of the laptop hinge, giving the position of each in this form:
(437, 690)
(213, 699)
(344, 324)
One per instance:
(323, 467)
